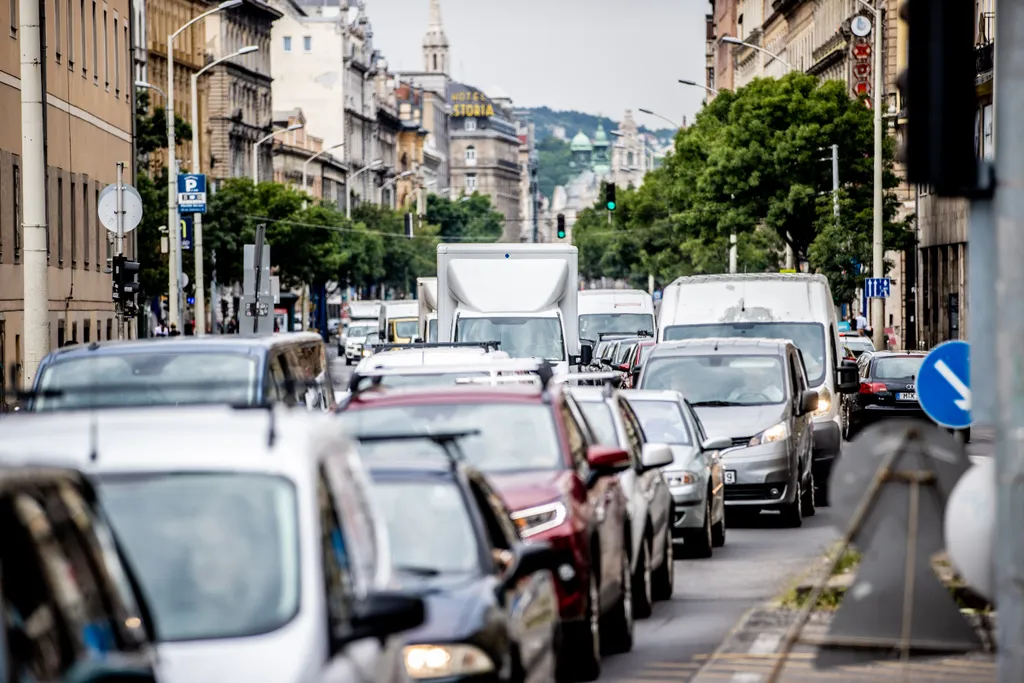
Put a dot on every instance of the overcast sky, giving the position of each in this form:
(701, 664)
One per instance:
(596, 56)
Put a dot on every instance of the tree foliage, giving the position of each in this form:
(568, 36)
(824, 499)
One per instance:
(756, 162)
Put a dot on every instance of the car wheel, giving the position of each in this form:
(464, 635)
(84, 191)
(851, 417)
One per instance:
(699, 542)
(792, 514)
(718, 532)
(619, 624)
(807, 506)
(664, 579)
(643, 602)
(581, 660)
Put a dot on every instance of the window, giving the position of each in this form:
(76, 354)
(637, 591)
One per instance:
(435, 59)
(99, 228)
(110, 328)
(46, 215)
(70, 21)
(307, 43)
(85, 224)
(471, 157)
(16, 212)
(81, 15)
(14, 18)
(106, 53)
(577, 441)
(127, 64)
(86, 330)
(60, 221)
(60, 333)
(471, 182)
(287, 43)
(336, 565)
(470, 124)
(117, 59)
(95, 47)
(56, 30)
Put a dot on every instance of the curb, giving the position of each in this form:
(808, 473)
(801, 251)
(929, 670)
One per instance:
(727, 640)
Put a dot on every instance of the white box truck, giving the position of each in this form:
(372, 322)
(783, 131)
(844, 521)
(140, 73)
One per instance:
(398, 323)
(615, 312)
(426, 297)
(523, 296)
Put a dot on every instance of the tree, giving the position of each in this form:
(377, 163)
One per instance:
(554, 164)
(469, 219)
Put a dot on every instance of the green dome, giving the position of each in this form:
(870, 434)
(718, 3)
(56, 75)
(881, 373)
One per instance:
(600, 137)
(581, 143)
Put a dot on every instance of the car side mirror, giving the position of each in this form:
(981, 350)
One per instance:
(605, 460)
(716, 443)
(808, 402)
(530, 558)
(624, 367)
(586, 353)
(384, 613)
(847, 378)
(656, 455)
(418, 340)
(102, 672)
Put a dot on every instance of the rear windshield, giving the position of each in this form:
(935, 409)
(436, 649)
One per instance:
(662, 421)
(593, 325)
(513, 437)
(441, 378)
(148, 379)
(897, 367)
(599, 417)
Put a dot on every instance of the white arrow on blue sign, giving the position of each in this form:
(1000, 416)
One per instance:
(943, 385)
(877, 287)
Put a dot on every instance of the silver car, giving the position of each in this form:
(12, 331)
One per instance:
(755, 392)
(695, 476)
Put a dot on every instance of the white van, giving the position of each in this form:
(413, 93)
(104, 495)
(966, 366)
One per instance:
(775, 306)
(399, 321)
(614, 311)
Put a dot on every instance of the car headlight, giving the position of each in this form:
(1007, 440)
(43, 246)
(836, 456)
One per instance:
(775, 433)
(540, 518)
(441, 661)
(676, 479)
(824, 402)
(366, 352)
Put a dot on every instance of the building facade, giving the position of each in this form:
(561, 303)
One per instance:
(529, 190)
(88, 130)
(631, 158)
(719, 62)
(411, 142)
(292, 155)
(239, 100)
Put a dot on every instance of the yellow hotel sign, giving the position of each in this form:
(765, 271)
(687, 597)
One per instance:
(471, 103)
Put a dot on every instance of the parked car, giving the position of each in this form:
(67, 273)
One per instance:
(72, 609)
(650, 503)
(252, 532)
(538, 451)
(695, 477)
(351, 347)
(755, 392)
(856, 343)
(492, 610)
(286, 368)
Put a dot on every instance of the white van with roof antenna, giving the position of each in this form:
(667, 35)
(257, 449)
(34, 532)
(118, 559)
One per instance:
(616, 312)
(796, 306)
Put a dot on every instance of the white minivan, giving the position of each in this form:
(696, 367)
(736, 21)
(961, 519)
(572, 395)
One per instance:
(796, 306)
(614, 312)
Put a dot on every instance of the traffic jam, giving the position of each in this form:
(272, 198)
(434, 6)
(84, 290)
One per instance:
(491, 482)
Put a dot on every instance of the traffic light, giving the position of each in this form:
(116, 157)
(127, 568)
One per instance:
(408, 225)
(561, 226)
(126, 284)
(609, 196)
(938, 96)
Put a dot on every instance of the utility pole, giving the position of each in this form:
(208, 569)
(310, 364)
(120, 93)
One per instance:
(732, 254)
(213, 291)
(119, 241)
(197, 218)
(173, 224)
(33, 193)
(878, 255)
(835, 180)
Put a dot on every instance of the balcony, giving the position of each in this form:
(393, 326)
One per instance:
(984, 61)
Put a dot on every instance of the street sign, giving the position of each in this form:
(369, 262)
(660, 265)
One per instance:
(943, 384)
(187, 227)
(191, 193)
(877, 287)
(106, 208)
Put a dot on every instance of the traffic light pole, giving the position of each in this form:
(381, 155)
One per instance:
(119, 240)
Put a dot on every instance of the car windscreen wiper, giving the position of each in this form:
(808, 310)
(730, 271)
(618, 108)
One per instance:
(418, 571)
(717, 404)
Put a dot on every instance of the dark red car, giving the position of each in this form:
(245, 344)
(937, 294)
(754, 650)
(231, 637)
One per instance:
(539, 453)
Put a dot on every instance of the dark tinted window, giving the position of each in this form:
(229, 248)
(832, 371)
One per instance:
(897, 367)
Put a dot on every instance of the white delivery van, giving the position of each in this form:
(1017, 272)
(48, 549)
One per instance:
(795, 306)
(615, 311)
(398, 322)
(520, 295)
(426, 297)
(364, 318)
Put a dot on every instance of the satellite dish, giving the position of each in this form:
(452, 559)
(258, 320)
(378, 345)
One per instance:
(892, 483)
(971, 525)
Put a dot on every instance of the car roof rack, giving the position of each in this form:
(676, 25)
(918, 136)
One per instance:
(601, 336)
(448, 441)
(485, 345)
(541, 368)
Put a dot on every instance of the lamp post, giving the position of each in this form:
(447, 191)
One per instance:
(877, 251)
(732, 40)
(173, 231)
(256, 149)
(348, 184)
(695, 84)
(389, 183)
(663, 118)
(197, 224)
(305, 164)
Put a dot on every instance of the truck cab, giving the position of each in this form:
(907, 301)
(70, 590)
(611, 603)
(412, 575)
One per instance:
(398, 322)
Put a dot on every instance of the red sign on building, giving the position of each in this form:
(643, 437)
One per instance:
(861, 70)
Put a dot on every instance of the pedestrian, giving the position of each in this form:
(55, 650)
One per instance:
(861, 323)
(174, 331)
(161, 329)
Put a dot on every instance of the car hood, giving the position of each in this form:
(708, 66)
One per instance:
(454, 611)
(739, 421)
(521, 490)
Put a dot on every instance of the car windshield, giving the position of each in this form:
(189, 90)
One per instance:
(599, 417)
(432, 330)
(808, 337)
(513, 437)
(429, 527)
(593, 325)
(662, 422)
(148, 379)
(360, 331)
(216, 553)
(624, 352)
(897, 367)
(519, 337)
(407, 329)
(719, 380)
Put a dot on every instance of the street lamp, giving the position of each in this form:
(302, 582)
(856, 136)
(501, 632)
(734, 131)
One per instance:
(736, 41)
(348, 184)
(305, 164)
(389, 183)
(150, 86)
(197, 224)
(695, 84)
(175, 303)
(663, 118)
(256, 149)
(877, 251)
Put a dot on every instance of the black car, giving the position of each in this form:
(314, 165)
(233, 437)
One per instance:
(492, 612)
(888, 388)
(72, 611)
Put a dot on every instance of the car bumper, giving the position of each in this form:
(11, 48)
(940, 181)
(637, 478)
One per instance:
(353, 353)
(689, 503)
(763, 475)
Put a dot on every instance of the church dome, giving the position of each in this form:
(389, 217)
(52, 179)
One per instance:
(581, 143)
(600, 137)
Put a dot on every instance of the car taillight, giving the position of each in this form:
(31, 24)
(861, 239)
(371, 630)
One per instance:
(873, 388)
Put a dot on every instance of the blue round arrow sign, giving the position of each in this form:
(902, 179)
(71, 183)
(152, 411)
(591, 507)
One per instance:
(943, 385)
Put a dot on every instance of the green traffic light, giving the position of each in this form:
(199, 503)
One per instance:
(611, 206)
(561, 234)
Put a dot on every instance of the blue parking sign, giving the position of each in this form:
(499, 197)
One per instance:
(191, 193)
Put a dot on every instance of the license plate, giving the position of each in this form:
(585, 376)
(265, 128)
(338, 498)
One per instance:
(730, 476)
(906, 396)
